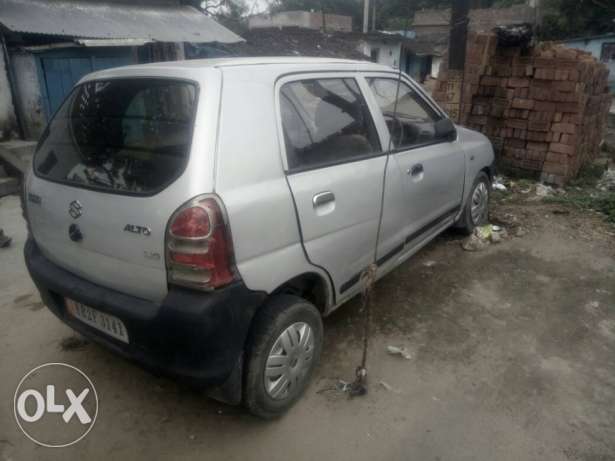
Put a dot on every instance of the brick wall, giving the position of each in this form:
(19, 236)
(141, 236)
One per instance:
(544, 109)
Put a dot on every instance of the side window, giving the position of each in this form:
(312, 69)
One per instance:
(413, 122)
(326, 121)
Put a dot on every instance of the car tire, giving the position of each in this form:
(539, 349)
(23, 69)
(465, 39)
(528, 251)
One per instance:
(286, 326)
(476, 210)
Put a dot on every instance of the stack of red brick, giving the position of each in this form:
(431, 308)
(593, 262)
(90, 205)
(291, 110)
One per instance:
(545, 108)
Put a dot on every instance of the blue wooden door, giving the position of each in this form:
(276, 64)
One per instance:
(61, 70)
(61, 74)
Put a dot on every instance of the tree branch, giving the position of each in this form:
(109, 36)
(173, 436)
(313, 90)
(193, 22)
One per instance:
(606, 6)
(213, 6)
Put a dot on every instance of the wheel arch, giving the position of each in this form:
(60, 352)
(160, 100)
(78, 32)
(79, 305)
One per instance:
(310, 286)
(489, 171)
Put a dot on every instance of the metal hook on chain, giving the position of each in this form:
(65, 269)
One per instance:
(359, 386)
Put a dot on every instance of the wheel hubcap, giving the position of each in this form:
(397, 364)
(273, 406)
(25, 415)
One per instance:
(480, 201)
(289, 360)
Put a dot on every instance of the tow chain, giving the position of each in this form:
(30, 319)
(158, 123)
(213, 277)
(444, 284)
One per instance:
(359, 386)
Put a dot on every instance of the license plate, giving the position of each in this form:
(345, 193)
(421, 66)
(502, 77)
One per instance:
(104, 322)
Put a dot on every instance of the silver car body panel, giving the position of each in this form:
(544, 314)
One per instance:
(238, 153)
(108, 255)
(250, 180)
(339, 235)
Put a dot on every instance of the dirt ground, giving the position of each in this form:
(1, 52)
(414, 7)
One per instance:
(513, 358)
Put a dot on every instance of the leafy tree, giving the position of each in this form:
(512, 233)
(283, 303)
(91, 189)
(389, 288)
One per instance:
(229, 13)
(396, 14)
(577, 18)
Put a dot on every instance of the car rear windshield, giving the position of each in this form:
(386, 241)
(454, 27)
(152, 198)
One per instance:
(129, 136)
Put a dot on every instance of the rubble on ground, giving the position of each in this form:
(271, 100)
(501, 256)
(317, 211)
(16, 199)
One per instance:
(607, 182)
(400, 351)
(483, 236)
(498, 185)
(533, 190)
(543, 190)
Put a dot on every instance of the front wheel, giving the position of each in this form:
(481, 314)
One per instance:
(283, 350)
(476, 210)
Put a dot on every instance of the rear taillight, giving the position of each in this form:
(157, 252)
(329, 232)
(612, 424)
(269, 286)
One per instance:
(199, 245)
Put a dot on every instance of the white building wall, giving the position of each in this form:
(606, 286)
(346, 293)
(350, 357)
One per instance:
(388, 54)
(435, 66)
(28, 95)
(7, 109)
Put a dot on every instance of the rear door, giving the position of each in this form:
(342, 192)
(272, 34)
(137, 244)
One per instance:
(335, 167)
(101, 195)
(430, 169)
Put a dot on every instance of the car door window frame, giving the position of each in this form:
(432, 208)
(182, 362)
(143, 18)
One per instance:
(420, 93)
(315, 75)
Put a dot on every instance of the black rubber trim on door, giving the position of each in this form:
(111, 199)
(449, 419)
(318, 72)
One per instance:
(390, 254)
(423, 230)
(433, 223)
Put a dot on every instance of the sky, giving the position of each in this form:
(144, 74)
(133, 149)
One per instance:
(255, 6)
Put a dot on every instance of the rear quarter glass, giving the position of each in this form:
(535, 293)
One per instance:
(128, 136)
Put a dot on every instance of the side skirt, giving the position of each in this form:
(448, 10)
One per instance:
(409, 239)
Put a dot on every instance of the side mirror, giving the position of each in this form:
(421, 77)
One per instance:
(445, 129)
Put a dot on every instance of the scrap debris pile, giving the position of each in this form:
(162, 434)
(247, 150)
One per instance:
(505, 225)
(483, 236)
(607, 182)
(544, 108)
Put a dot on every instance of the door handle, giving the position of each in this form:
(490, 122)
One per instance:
(323, 198)
(415, 170)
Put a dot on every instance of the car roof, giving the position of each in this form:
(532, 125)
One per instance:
(280, 62)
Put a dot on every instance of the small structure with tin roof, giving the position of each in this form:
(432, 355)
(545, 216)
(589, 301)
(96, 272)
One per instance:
(47, 46)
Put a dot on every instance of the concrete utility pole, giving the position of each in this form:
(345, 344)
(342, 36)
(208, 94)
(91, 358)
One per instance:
(459, 34)
(374, 16)
(324, 17)
(365, 16)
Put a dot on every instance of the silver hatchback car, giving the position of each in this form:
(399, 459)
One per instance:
(201, 217)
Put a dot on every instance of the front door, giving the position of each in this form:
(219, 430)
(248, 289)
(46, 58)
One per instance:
(335, 168)
(429, 170)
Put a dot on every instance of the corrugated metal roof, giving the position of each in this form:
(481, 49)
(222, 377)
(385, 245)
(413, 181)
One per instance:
(172, 23)
(94, 42)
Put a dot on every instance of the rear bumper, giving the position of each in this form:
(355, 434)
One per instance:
(198, 337)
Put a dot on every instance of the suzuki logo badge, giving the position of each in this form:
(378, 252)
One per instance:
(75, 209)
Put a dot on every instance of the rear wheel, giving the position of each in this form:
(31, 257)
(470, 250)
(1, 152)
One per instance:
(476, 211)
(283, 350)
